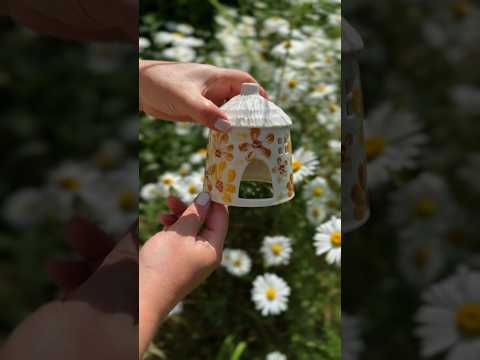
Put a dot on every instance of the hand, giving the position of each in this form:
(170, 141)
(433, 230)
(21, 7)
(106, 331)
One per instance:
(177, 259)
(79, 20)
(97, 317)
(189, 92)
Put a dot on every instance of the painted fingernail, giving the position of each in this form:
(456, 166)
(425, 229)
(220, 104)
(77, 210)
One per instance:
(202, 199)
(223, 125)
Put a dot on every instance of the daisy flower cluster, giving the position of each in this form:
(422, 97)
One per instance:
(274, 258)
(102, 187)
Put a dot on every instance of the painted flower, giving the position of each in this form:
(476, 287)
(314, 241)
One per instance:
(220, 146)
(304, 163)
(270, 294)
(328, 240)
(222, 178)
(236, 262)
(449, 321)
(276, 250)
(257, 144)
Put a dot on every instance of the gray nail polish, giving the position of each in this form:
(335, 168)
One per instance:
(202, 199)
(222, 125)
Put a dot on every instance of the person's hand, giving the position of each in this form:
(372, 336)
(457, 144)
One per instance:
(97, 315)
(189, 92)
(176, 260)
(79, 20)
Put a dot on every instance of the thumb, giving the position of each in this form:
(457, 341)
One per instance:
(192, 219)
(205, 112)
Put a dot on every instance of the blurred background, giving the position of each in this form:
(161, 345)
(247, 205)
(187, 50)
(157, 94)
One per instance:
(293, 49)
(410, 276)
(69, 135)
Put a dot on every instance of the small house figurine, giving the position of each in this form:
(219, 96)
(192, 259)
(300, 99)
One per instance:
(355, 210)
(258, 148)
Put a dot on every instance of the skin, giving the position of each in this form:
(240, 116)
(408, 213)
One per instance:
(188, 92)
(115, 297)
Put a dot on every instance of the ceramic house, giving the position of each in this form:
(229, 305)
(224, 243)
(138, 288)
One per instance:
(355, 210)
(258, 148)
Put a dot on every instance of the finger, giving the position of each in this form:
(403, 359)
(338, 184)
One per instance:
(229, 84)
(176, 205)
(168, 219)
(68, 274)
(205, 112)
(216, 226)
(192, 219)
(164, 116)
(87, 239)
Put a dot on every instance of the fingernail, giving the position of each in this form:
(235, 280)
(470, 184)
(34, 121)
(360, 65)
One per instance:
(223, 125)
(202, 199)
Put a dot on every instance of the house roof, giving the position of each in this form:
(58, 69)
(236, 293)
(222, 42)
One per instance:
(351, 39)
(250, 109)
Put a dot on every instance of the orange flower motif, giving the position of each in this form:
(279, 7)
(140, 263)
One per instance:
(222, 147)
(281, 167)
(290, 187)
(257, 144)
(223, 179)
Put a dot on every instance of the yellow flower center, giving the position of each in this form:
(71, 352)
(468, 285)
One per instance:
(277, 249)
(192, 189)
(237, 263)
(320, 88)
(374, 147)
(127, 200)
(292, 83)
(296, 165)
(316, 212)
(287, 44)
(202, 152)
(271, 294)
(69, 183)
(167, 181)
(422, 257)
(425, 207)
(468, 319)
(177, 35)
(336, 238)
(317, 191)
(104, 160)
(461, 8)
(333, 108)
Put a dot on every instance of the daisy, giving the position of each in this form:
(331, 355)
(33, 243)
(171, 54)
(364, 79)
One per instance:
(183, 128)
(322, 90)
(292, 47)
(167, 182)
(304, 163)
(276, 250)
(426, 199)
(150, 192)
(393, 141)
(328, 239)
(276, 355)
(185, 169)
(143, 43)
(449, 320)
(317, 190)
(352, 345)
(190, 187)
(199, 156)
(180, 53)
(109, 155)
(270, 294)
(275, 25)
(316, 212)
(421, 254)
(71, 177)
(236, 261)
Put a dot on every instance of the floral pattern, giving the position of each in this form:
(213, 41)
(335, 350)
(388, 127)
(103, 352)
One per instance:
(256, 146)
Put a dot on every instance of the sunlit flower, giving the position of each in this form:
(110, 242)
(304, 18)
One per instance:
(199, 156)
(276, 355)
(317, 190)
(316, 212)
(393, 141)
(276, 250)
(275, 25)
(167, 182)
(143, 43)
(180, 53)
(304, 163)
(450, 319)
(292, 47)
(185, 169)
(190, 186)
(270, 294)
(183, 128)
(236, 262)
(328, 240)
(150, 192)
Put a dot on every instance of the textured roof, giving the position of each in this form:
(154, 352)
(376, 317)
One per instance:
(351, 39)
(249, 109)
